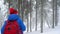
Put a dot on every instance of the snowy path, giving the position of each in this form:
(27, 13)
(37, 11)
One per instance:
(50, 31)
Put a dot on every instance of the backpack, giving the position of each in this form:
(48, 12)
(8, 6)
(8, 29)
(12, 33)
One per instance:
(12, 27)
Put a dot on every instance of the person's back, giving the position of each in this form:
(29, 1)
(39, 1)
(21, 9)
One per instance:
(17, 21)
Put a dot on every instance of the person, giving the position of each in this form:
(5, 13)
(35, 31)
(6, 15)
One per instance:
(11, 17)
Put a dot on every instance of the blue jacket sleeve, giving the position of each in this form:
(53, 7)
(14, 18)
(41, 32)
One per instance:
(3, 27)
(20, 22)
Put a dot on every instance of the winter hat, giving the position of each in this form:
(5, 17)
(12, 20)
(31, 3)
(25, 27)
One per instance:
(13, 11)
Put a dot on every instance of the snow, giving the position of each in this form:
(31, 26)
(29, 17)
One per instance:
(48, 31)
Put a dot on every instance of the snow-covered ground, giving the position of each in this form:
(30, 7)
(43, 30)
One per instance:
(48, 31)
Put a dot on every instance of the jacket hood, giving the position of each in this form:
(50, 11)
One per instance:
(13, 17)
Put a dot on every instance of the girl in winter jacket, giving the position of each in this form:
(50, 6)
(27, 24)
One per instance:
(14, 16)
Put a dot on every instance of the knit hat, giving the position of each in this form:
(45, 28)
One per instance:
(13, 11)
